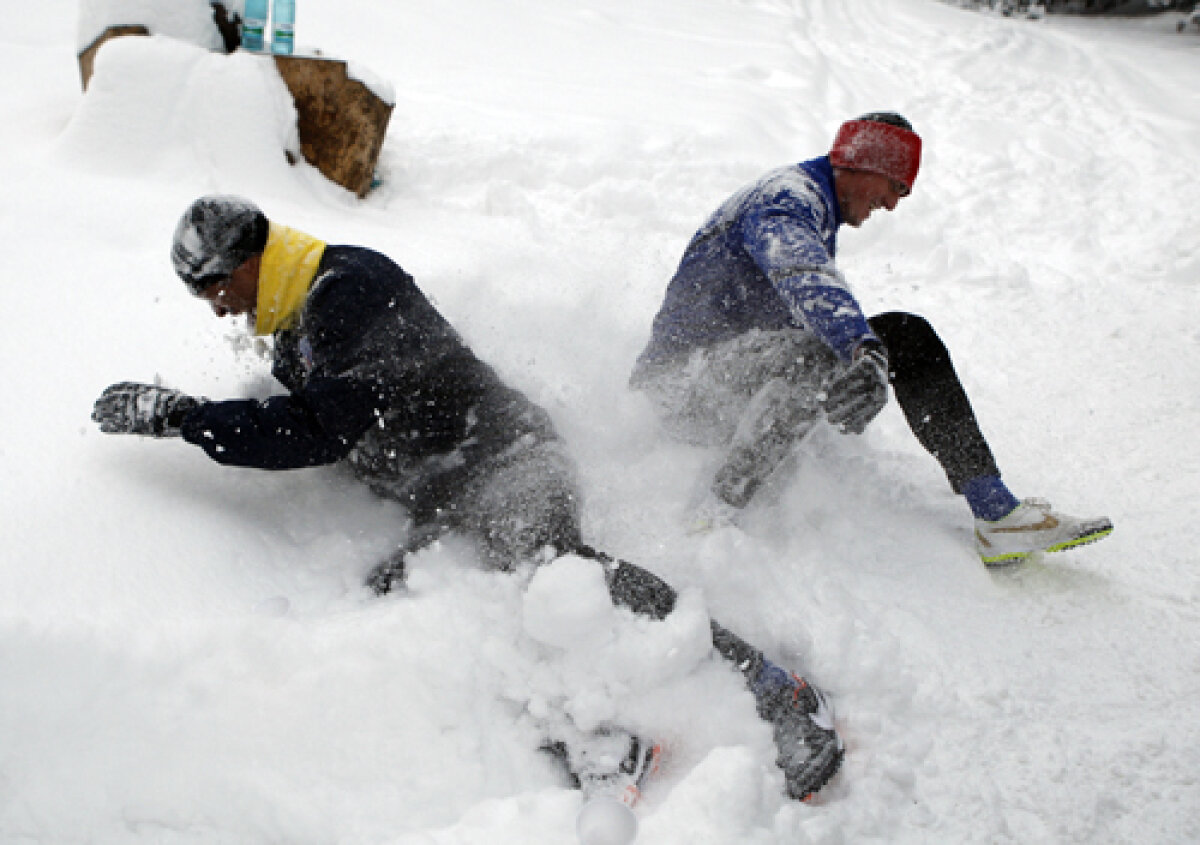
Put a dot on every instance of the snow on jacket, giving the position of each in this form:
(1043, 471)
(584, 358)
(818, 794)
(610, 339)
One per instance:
(377, 376)
(765, 259)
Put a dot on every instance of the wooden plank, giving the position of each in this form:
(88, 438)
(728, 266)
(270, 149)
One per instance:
(87, 59)
(341, 122)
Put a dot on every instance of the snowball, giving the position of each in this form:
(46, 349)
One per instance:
(606, 821)
(567, 604)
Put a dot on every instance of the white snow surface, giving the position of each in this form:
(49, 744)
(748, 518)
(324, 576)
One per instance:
(186, 653)
(186, 20)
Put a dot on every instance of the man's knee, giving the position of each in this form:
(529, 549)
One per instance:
(528, 534)
(528, 504)
(914, 348)
(901, 327)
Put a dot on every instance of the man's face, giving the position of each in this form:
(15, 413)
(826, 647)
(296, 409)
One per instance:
(238, 294)
(859, 193)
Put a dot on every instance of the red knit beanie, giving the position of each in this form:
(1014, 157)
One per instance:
(882, 143)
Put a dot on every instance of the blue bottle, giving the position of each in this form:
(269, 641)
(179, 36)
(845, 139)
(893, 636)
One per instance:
(283, 26)
(254, 24)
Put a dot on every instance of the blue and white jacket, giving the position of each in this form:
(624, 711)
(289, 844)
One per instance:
(764, 260)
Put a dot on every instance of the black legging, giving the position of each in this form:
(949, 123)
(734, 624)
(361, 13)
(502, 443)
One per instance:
(932, 398)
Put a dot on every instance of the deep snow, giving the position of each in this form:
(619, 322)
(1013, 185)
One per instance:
(186, 654)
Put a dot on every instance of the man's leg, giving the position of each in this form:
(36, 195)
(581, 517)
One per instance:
(522, 504)
(757, 394)
(809, 750)
(778, 416)
(940, 415)
(932, 398)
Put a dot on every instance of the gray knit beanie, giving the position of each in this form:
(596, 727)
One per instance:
(215, 236)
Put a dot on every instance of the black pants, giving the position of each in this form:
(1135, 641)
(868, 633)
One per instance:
(932, 398)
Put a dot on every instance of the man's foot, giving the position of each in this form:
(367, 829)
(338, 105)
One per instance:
(388, 576)
(1033, 527)
(610, 766)
(610, 762)
(809, 750)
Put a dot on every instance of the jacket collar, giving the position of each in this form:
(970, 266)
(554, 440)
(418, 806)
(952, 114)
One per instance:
(289, 265)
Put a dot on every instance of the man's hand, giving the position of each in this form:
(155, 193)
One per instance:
(854, 398)
(132, 408)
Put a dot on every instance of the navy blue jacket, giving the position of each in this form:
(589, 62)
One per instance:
(375, 374)
(765, 259)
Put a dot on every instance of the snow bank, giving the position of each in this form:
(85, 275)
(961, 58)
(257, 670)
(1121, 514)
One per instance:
(160, 108)
(185, 20)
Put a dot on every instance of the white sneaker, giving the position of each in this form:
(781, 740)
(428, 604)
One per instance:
(1033, 527)
(614, 764)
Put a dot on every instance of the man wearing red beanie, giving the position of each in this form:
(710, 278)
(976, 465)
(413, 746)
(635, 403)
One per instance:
(759, 337)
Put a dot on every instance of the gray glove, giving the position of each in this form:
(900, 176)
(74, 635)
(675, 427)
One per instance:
(854, 398)
(132, 408)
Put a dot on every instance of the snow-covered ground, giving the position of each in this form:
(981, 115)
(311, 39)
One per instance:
(186, 654)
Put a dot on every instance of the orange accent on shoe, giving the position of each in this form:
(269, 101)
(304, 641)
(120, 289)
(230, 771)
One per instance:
(803, 684)
(1048, 523)
(633, 793)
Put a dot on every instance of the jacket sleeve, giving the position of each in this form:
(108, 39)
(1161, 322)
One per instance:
(320, 422)
(784, 234)
(317, 425)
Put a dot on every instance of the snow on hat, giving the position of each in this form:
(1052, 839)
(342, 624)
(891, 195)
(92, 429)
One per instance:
(214, 237)
(880, 142)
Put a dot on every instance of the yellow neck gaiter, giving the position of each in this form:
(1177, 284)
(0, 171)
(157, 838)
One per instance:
(289, 264)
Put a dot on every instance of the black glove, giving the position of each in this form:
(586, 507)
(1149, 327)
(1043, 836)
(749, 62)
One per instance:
(854, 398)
(132, 408)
